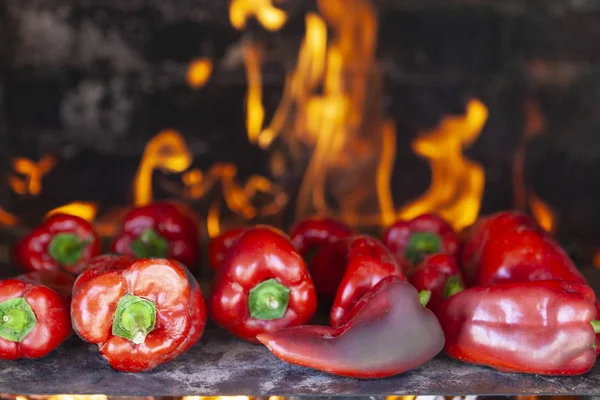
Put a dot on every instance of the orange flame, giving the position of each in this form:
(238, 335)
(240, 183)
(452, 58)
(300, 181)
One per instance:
(213, 225)
(255, 111)
(542, 213)
(32, 172)
(456, 182)
(7, 218)
(597, 259)
(81, 209)
(199, 72)
(166, 151)
(270, 17)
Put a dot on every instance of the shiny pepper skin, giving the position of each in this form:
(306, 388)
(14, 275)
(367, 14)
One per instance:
(262, 286)
(542, 327)
(388, 332)
(34, 314)
(312, 233)
(160, 230)
(61, 242)
(220, 245)
(140, 314)
(426, 234)
(439, 274)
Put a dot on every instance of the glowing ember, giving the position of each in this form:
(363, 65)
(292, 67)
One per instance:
(264, 11)
(168, 152)
(255, 112)
(199, 72)
(32, 172)
(543, 213)
(82, 209)
(7, 218)
(456, 182)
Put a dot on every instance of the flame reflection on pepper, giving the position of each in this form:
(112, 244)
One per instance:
(81, 209)
(270, 17)
(32, 172)
(168, 152)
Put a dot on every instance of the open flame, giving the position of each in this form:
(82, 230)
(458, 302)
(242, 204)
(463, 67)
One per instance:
(30, 181)
(199, 72)
(168, 152)
(7, 218)
(255, 112)
(456, 182)
(81, 209)
(270, 17)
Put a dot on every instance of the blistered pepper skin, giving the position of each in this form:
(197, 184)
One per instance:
(180, 313)
(375, 342)
(33, 253)
(261, 254)
(541, 327)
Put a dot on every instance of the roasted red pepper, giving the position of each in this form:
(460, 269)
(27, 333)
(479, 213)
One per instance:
(262, 285)
(161, 230)
(34, 314)
(484, 229)
(542, 327)
(219, 246)
(309, 235)
(62, 242)
(389, 332)
(521, 255)
(439, 274)
(140, 314)
(367, 262)
(426, 234)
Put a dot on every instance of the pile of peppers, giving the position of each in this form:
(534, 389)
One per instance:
(501, 294)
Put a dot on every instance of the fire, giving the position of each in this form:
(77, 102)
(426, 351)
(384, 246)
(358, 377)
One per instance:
(255, 111)
(78, 397)
(7, 218)
(542, 213)
(213, 226)
(596, 260)
(217, 397)
(82, 209)
(456, 182)
(32, 172)
(199, 72)
(166, 151)
(270, 17)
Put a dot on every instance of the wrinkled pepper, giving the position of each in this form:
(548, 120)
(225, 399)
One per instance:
(262, 286)
(61, 242)
(481, 231)
(439, 274)
(140, 313)
(389, 332)
(542, 327)
(34, 314)
(309, 235)
(426, 234)
(219, 246)
(160, 230)
(367, 262)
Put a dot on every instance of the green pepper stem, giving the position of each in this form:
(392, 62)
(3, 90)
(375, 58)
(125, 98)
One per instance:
(424, 297)
(421, 244)
(17, 319)
(66, 248)
(596, 325)
(134, 318)
(453, 286)
(150, 244)
(268, 300)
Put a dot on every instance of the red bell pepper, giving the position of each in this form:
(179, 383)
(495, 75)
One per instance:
(426, 234)
(34, 314)
(62, 242)
(140, 314)
(439, 274)
(262, 285)
(389, 332)
(484, 229)
(367, 262)
(542, 327)
(161, 230)
(309, 235)
(219, 246)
